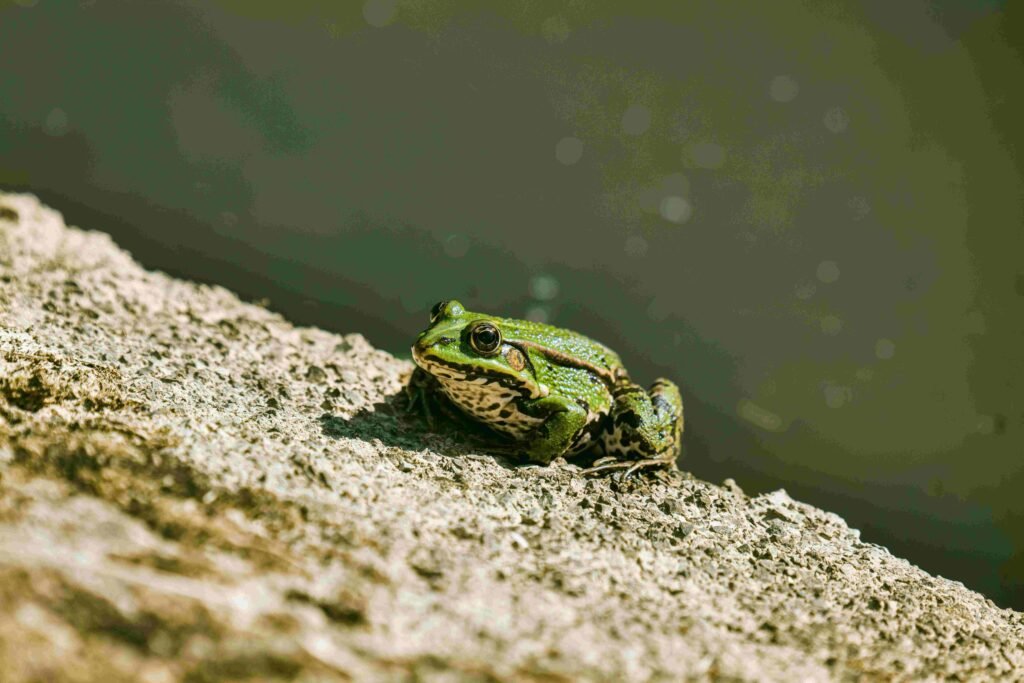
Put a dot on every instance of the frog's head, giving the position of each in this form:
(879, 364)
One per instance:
(461, 346)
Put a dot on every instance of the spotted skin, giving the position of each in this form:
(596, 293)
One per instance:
(647, 424)
(483, 398)
(553, 391)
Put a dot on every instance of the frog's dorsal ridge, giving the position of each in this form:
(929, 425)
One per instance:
(607, 375)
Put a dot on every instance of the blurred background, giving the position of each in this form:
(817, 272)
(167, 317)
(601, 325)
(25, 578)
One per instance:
(809, 214)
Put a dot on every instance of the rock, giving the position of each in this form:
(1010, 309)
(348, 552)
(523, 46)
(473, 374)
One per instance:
(316, 374)
(175, 503)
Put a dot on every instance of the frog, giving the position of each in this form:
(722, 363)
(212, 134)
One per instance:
(551, 392)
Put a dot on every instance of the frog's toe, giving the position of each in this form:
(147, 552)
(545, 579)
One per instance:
(603, 461)
(605, 469)
(645, 464)
(611, 464)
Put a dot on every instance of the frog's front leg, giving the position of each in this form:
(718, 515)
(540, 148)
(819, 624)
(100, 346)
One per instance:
(645, 430)
(563, 420)
(424, 396)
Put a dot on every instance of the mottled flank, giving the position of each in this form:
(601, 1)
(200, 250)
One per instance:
(645, 424)
(192, 489)
(485, 398)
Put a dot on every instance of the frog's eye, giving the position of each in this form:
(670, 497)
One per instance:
(436, 311)
(485, 338)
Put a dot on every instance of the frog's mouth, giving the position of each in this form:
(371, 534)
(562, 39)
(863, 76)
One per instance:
(438, 366)
(448, 371)
(431, 363)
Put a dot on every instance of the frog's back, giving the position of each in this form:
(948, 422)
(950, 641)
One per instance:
(561, 341)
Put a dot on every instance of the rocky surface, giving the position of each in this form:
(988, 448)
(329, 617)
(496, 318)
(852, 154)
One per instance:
(193, 489)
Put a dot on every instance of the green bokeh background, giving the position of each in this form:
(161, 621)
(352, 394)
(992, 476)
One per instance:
(807, 213)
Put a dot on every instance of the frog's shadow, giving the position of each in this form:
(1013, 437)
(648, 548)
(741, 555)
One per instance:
(392, 423)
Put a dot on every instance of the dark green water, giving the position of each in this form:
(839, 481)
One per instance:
(809, 214)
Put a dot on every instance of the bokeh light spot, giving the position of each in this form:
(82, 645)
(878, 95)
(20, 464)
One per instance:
(636, 246)
(675, 209)
(837, 120)
(831, 325)
(828, 271)
(805, 290)
(569, 150)
(538, 314)
(783, 89)
(860, 207)
(543, 287)
(837, 396)
(636, 120)
(379, 12)
(885, 349)
(456, 246)
(555, 30)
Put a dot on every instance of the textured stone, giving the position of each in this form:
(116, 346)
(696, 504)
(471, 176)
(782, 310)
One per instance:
(191, 487)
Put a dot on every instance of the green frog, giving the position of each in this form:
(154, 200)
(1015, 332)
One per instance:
(553, 391)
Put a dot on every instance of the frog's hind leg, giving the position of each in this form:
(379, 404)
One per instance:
(646, 429)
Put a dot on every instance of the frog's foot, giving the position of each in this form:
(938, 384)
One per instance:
(646, 428)
(613, 464)
(423, 395)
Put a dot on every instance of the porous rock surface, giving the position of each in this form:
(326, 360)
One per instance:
(193, 489)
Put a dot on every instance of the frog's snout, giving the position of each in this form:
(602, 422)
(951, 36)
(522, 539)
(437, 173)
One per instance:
(425, 342)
